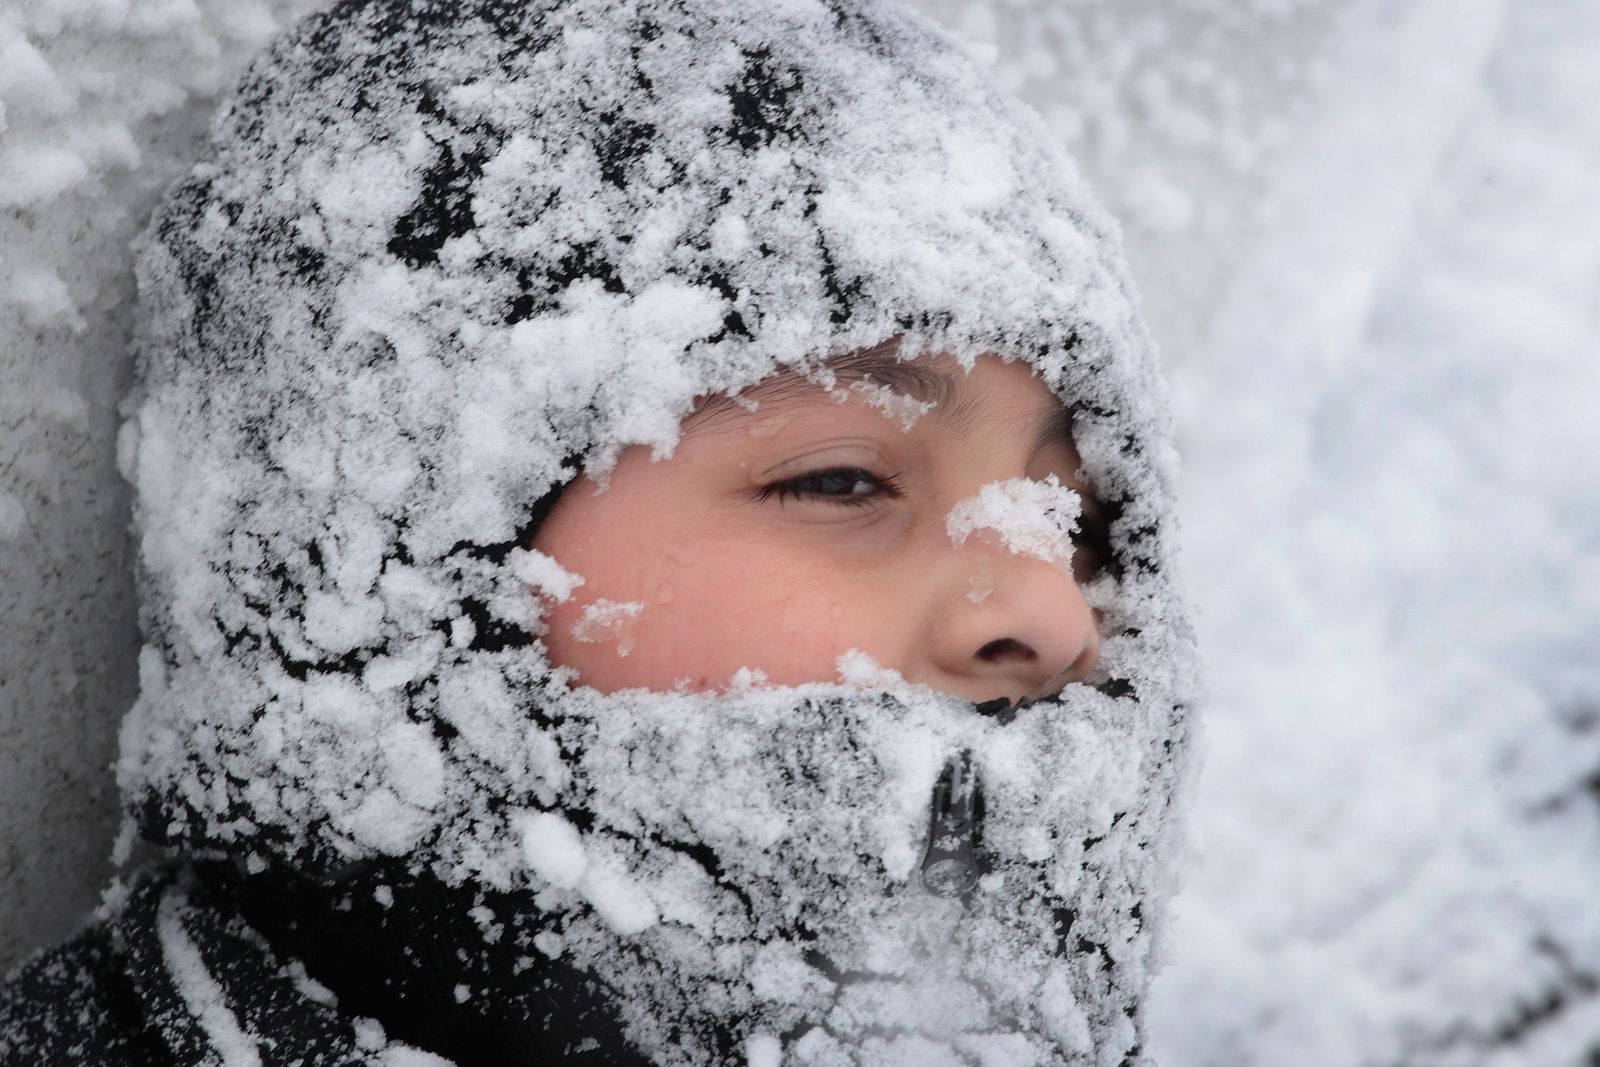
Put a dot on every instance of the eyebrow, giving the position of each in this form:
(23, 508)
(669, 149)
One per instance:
(1050, 426)
(881, 365)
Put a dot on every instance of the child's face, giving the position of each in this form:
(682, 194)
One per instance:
(780, 539)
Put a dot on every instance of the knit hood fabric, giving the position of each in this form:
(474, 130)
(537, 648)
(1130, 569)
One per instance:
(441, 255)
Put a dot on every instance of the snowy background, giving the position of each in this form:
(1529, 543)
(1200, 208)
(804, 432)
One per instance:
(1368, 233)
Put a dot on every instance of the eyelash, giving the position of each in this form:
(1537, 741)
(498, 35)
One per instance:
(806, 487)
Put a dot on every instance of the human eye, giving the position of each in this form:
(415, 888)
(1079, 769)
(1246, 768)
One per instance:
(838, 486)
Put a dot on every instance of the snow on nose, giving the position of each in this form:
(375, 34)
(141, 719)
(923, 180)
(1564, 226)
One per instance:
(1033, 517)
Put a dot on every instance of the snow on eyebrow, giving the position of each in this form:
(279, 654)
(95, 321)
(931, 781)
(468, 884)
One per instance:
(905, 389)
(1033, 517)
(894, 404)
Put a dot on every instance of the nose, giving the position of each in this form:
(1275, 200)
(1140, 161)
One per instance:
(1007, 625)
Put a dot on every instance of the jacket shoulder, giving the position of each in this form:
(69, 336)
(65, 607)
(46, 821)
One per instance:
(73, 1005)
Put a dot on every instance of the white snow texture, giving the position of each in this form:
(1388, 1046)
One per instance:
(1032, 518)
(101, 105)
(1368, 234)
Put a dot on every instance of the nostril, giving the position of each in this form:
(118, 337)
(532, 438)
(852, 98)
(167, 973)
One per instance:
(1006, 648)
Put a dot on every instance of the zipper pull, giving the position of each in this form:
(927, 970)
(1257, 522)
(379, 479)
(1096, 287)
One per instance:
(950, 864)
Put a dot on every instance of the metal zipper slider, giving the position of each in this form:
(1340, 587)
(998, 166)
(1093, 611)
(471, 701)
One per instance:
(950, 864)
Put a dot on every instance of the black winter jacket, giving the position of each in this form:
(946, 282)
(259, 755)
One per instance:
(201, 966)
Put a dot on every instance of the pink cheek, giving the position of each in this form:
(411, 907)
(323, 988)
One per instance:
(705, 622)
(810, 633)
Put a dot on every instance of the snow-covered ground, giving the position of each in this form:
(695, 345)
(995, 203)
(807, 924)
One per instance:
(1394, 531)
(1369, 237)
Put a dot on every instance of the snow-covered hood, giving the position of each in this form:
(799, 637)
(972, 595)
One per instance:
(438, 255)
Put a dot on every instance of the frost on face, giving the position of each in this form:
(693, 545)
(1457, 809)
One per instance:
(1033, 517)
(609, 621)
(905, 409)
(859, 669)
(583, 216)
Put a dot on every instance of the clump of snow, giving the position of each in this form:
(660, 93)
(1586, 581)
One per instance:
(1034, 517)
(369, 1034)
(860, 669)
(619, 900)
(763, 1050)
(553, 849)
(544, 574)
(399, 1055)
(555, 852)
(308, 986)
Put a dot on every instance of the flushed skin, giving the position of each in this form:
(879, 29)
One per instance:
(438, 258)
(746, 569)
